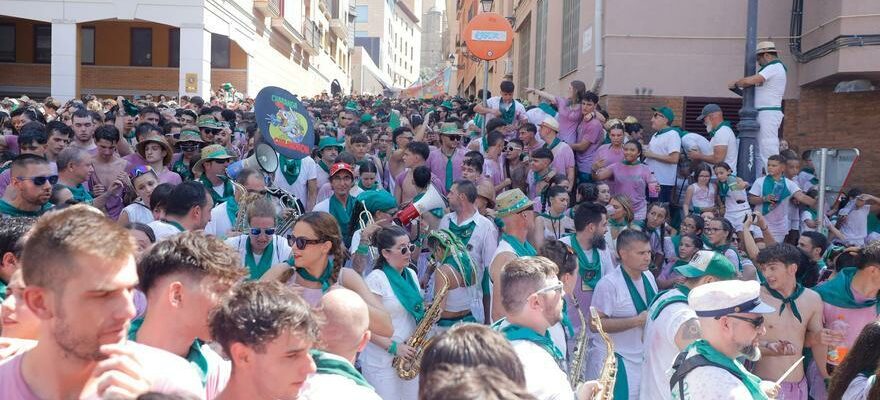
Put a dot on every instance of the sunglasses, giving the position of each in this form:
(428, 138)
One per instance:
(756, 322)
(211, 131)
(189, 146)
(512, 148)
(301, 242)
(553, 287)
(267, 231)
(407, 248)
(141, 170)
(455, 138)
(174, 136)
(40, 180)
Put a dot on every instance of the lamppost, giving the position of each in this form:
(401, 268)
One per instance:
(487, 6)
(747, 160)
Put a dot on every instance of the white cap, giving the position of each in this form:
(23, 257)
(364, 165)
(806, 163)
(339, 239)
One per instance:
(728, 297)
(551, 123)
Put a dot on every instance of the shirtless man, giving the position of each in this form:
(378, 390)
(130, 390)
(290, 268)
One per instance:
(84, 130)
(799, 314)
(110, 171)
(415, 155)
(401, 138)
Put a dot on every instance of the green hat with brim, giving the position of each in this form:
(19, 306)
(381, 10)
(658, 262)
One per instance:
(352, 106)
(451, 129)
(447, 105)
(378, 200)
(707, 262)
(329, 141)
(512, 202)
(666, 112)
(189, 135)
(211, 153)
(207, 121)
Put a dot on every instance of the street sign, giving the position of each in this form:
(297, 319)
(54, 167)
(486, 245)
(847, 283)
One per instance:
(488, 36)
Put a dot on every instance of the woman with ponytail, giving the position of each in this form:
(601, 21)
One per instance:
(315, 266)
(397, 285)
(631, 178)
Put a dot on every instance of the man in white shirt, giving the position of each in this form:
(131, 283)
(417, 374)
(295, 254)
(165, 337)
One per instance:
(223, 221)
(299, 178)
(504, 107)
(672, 325)
(769, 85)
(188, 209)
(477, 232)
(725, 146)
(663, 151)
(622, 298)
(773, 192)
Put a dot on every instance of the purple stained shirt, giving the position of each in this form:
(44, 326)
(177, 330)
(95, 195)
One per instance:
(135, 160)
(437, 163)
(632, 182)
(568, 118)
(593, 132)
(563, 158)
(609, 154)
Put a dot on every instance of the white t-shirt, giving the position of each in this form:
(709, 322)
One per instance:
(661, 347)
(710, 383)
(331, 386)
(494, 102)
(667, 143)
(859, 387)
(280, 248)
(299, 188)
(777, 219)
(771, 92)
(220, 224)
(138, 212)
(544, 379)
(536, 115)
(724, 136)
(163, 230)
(404, 324)
(855, 228)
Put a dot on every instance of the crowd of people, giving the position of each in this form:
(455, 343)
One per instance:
(426, 249)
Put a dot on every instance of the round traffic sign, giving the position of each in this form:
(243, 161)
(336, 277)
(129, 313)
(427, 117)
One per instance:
(488, 36)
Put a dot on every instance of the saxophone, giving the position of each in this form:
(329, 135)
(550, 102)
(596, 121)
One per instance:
(609, 371)
(576, 369)
(409, 369)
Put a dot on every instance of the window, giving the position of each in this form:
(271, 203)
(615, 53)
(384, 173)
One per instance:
(362, 14)
(174, 47)
(7, 42)
(219, 51)
(524, 57)
(571, 11)
(87, 44)
(540, 44)
(360, 34)
(142, 47)
(43, 44)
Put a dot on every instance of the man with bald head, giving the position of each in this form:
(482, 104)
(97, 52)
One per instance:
(345, 332)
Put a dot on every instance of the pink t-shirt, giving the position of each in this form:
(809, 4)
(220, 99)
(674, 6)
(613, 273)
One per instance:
(632, 181)
(568, 118)
(856, 318)
(167, 373)
(609, 154)
(563, 158)
(594, 133)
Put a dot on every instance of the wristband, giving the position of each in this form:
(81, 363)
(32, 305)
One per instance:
(393, 348)
(362, 249)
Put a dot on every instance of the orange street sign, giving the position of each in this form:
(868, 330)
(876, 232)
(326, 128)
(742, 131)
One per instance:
(488, 36)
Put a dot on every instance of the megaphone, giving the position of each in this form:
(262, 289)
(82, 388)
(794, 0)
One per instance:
(431, 200)
(264, 158)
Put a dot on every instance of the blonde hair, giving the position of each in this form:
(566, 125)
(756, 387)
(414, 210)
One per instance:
(629, 214)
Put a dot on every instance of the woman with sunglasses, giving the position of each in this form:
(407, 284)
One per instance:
(144, 180)
(260, 248)
(315, 266)
(190, 144)
(631, 178)
(381, 206)
(397, 286)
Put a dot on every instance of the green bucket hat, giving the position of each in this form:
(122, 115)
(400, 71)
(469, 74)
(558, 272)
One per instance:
(450, 128)
(707, 262)
(208, 121)
(189, 135)
(666, 112)
(447, 105)
(378, 200)
(366, 118)
(329, 141)
(210, 153)
(352, 106)
(512, 202)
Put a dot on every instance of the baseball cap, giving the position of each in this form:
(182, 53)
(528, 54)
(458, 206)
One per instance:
(708, 109)
(336, 168)
(706, 262)
(666, 112)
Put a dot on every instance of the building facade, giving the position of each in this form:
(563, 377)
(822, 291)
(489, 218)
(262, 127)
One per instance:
(433, 55)
(391, 33)
(67, 48)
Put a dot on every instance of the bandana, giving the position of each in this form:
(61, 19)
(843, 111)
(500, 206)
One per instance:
(838, 291)
(228, 190)
(257, 269)
(515, 332)
(332, 365)
(798, 290)
(324, 279)
(777, 188)
(406, 289)
(639, 303)
(290, 168)
(590, 271)
(752, 382)
(522, 249)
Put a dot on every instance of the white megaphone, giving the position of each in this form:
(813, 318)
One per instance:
(265, 159)
(431, 200)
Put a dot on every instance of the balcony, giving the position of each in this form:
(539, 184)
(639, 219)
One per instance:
(270, 8)
(339, 27)
(311, 38)
(289, 31)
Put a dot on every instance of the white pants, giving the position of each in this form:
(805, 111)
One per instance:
(388, 385)
(768, 137)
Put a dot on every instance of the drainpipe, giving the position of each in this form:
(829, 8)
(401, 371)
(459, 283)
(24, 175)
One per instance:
(599, 47)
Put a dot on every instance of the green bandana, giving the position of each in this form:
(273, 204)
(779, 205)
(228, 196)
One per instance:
(798, 290)
(522, 249)
(182, 169)
(769, 187)
(617, 224)
(342, 213)
(2, 290)
(464, 232)
(232, 210)
(752, 382)
(80, 193)
(406, 289)
(257, 269)
(725, 187)
(324, 166)
(509, 114)
(10, 210)
(290, 168)
(636, 162)
(228, 190)
(639, 303)
(394, 120)
(375, 186)
(552, 144)
(175, 224)
(664, 130)
(333, 365)
(195, 356)
(657, 306)
(723, 123)
(324, 279)
(773, 62)
(838, 291)
(676, 243)
(515, 332)
(590, 271)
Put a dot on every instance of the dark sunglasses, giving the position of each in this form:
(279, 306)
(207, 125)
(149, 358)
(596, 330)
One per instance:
(511, 148)
(40, 180)
(756, 322)
(453, 137)
(258, 231)
(175, 136)
(301, 242)
(211, 131)
(141, 170)
(189, 146)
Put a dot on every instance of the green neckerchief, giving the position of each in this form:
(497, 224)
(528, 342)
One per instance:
(590, 271)
(228, 190)
(751, 382)
(814, 214)
(2, 290)
(509, 114)
(182, 169)
(10, 210)
(324, 279)
(768, 188)
(406, 289)
(798, 290)
(382, 156)
(334, 365)
(617, 224)
(725, 187)
(676, 243)
(515, 332)
(5, 166)
(195, 356)
(257, 269)
(449, 172)
(552, 144)
(437, 212)
(290, 168)
(394, 120)
(522, 249)
(342, 213)
(232, 210)
(639, 303)
(838, 291)
(463, 231)
(552, 218)
(175, 224)
(324, 166)
(540, 177)
(715, 129)
(484, 143)
(375, 186)
(466, 270)
(720, 248)
(621, 384)
(636, 162)
(80, 193)
(566, 321)
(657, 305)
(771, 63)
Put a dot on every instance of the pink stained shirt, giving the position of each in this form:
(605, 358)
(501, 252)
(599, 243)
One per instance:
(609, 154)
(563, 158)
(856, 318)
(632, 182)
(437, 163)
(568, 118)
(593, 132)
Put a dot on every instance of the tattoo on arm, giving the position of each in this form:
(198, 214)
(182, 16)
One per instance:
(690, 330)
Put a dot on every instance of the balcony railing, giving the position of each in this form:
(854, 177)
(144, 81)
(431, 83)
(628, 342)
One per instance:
(270, 8)
(312, 37)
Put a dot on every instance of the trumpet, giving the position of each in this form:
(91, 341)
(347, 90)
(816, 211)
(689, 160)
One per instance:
(365, 218)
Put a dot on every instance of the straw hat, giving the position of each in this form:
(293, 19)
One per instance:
(142, 147)
(210, 153)
(766, 47)
(512, 202)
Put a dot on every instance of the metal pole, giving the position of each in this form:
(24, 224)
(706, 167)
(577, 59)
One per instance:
(820, 206)
(748, 163)
(485, 96)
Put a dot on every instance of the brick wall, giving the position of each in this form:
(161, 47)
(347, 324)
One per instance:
(640, 107)
(18, 74)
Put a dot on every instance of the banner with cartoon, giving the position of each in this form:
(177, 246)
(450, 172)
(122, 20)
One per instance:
(435, 87)
(285, 124)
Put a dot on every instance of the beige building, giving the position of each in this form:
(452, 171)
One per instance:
(391, 33)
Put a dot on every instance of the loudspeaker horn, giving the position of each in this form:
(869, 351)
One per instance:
(431, 200)
(265, 159)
